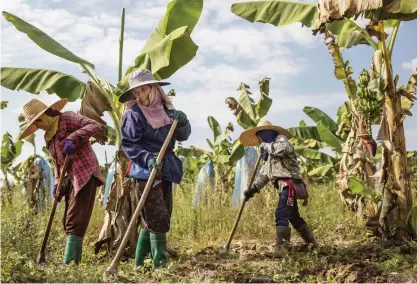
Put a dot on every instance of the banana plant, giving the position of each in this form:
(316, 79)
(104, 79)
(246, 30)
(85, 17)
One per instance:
(247, 112)
(10, 150)
(168, 48)
(392, 128)
(341, 31)
(224, 154)
(309, 140)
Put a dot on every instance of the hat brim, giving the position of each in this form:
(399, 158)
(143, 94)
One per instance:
(128, 96)
(31, 128)
(249, 138)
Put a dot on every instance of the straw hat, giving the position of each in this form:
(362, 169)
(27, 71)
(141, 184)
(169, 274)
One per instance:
(139, 78)
(33, 110)
(249, 138)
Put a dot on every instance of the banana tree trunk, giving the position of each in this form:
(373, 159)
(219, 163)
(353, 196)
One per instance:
(397, 167)
(356, 161)
(119, 209)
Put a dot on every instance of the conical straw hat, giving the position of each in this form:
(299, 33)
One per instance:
(33, 110)
(249, 138)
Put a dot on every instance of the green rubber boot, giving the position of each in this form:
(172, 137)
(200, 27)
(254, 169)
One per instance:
(159, 248)
(142, 248)
(73, 249)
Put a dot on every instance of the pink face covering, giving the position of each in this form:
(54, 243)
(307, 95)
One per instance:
(155, 113)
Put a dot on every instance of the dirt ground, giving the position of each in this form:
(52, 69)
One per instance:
(249, 262)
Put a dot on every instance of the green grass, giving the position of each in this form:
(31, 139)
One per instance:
(346, 254)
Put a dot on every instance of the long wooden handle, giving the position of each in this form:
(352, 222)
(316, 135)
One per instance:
(112, 269)
(232, 233)
(51, 216)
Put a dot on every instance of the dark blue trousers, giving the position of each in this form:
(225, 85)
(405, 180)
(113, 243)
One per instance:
(285, 214)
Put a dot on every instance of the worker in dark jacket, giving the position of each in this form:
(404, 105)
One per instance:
(145, 126)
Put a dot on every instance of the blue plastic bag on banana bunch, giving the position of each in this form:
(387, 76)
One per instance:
(46, 185)
(243, 173)
(204, 184)
(48, 180)
(109, 181)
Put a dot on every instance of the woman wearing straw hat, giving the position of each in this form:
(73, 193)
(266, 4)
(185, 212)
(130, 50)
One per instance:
(282, 170)
(145, 126)
(68, 133)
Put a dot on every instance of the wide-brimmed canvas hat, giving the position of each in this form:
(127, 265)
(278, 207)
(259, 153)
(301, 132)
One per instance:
(249, 138)
(33, 110)
(139, 78)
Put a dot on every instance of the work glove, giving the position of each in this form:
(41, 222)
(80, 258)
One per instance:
(61, 193)
(180, 116)
(69, 147)
(250, 192)
(152, 164)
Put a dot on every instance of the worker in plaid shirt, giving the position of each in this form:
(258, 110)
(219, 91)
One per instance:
(68, 133)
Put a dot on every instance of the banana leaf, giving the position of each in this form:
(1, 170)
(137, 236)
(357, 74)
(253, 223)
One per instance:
(46, 42)
(210, 143)
(357, 186)
(281, 13)
(215, 127)
(331, 10)
(349, 33)
(403, 10)
(10, 149)
(170, 46)
(37, 80)
(317, 115)
(306, 132)
(93, 105)
(277, 13)
(265, 101)
(237, 151)
(329, 138)
(409, 92)
(314, 155)
(323, 171)
(247, 103)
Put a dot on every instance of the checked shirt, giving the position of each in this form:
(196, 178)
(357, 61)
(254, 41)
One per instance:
(83, 164)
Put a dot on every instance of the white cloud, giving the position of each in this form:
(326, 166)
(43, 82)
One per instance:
(412, 64)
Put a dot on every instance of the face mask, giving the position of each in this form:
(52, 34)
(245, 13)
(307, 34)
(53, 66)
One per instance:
(267, 136)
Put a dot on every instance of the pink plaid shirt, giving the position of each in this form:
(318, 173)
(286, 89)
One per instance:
(83, 164)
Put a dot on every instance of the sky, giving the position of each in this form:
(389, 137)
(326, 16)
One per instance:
(231, 51)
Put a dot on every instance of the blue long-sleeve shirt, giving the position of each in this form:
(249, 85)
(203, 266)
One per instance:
(141, 142)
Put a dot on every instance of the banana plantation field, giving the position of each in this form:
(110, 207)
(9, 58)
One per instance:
(307, 172)
(346, 254)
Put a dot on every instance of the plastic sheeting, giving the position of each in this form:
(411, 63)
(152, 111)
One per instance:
(47, 175)
(109, 181)
(205, 183)
(243, 173)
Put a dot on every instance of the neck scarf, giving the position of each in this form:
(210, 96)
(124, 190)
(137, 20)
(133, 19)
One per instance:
(52, 123)
(155, 113)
